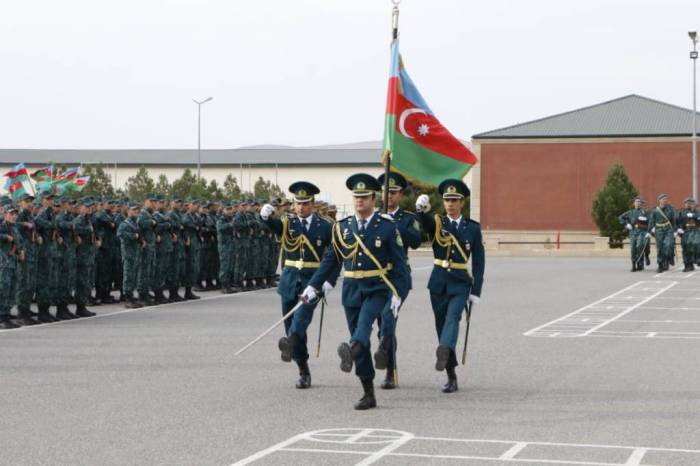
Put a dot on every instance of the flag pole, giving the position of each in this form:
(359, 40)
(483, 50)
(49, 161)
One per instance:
(387, 154)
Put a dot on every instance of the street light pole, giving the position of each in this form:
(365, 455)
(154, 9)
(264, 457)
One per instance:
(694, 56)
(199, 134)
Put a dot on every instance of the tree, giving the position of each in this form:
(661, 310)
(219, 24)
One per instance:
(100, 183)
(163, 186)
(214, 192)
(189, 186)
(231, 189)
(265, 189)
(139, 185)
(613, 199)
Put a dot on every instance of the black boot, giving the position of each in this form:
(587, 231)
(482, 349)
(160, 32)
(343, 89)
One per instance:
(647, 261)
(189, 294)
(132, 302)
(634, 267)
(443, 355)
(174, 296)
(7, 324)
(451, 385)
(367, 401)
(381, 356)
(63, 313)
(160, 297)
(25, 318)
(82, 311)
(107, 298)
(286, 346)
(389, 383)
(44, 317)
(304, 376)
(199, 288)
(145, 299)
(660, 269)
(347, 353)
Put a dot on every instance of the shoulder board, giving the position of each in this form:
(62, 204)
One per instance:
(473, 221)
(346, 218)
(326, 219)
(409, 213)
(386, 217)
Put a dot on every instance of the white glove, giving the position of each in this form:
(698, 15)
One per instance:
(326, 288)
(309, 294)
(473, 299)
(648, 235)
(628, 226)
(266, 211)
(395, 304)
(653, 230)
(423, 203)
(680, 231)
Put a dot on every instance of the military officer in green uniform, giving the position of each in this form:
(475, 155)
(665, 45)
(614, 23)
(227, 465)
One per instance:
(66, 250)
(46, 231)
(27, 241)
(455, 240)
(636, 221)
(190, 223)
(84, 255)
(163, 248)
(662, 220)
(687, 222)
(176, 264)
(224, 234)
(106, 231)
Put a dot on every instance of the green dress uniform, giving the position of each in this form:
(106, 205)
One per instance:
(687, 223)
(662, 221)
(637, 222)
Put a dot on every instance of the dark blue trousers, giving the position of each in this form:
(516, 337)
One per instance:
(448, 310)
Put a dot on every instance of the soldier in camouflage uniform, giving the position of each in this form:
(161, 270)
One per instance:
(190, 222)
(45, 223)
(84, 255)
(148, 251)
(131, 247)
(66, 260)
(164, 248)
(106, 232)
(120, 212)
(8, 264)
(26, 270)
(175, 264)
(224, 233)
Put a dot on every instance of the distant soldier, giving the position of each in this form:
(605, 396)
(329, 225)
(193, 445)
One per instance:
(8, 264)
(177, 258)
(164, 248)
(84, 255)
(120, 212)
(662, 220)
(455, 241)
(305, 237)
(147, 255)
(66, 259)
(190, 223)
(46, 256)
(131, 245)
(241, 234)
(647, 248)
(687, 222)
(27, 242)
(224, 230)
(636, 221)
(369, 248)
(410, 230)
(106, 232)
(332, 212)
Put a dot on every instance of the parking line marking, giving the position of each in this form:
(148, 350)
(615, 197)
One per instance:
(514, 450)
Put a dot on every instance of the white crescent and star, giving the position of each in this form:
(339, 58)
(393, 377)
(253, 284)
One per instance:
(423, 129)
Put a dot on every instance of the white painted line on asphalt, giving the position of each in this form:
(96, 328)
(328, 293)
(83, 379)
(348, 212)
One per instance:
(632, 308)
(576, 451)
(126, 311)
(670, 308)
(560, 319)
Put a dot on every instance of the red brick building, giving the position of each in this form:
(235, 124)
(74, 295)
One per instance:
(544, 174)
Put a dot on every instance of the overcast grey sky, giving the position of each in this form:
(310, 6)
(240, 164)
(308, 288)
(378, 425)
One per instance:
(121, 74)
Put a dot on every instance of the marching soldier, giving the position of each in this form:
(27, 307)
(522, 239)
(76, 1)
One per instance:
(369, 248)
(8, 265)
(455, 240)
(131, 246)
(636, 221)
(305, 236)
(687, 222)
(662, 220)
(410, 231)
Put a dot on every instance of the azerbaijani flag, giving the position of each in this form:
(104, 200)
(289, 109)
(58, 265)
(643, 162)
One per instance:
(43, 174)
(16, 189)
(17, 174)
(68, 174)
(76, 184)
(420, 146)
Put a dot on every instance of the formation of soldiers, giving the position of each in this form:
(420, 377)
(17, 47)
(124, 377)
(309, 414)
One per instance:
(665, 224)
(58, 251)
(370, 249)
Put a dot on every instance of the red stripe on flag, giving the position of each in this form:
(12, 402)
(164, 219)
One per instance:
(425, 130)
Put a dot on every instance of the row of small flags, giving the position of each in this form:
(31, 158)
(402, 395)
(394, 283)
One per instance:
(45, 178)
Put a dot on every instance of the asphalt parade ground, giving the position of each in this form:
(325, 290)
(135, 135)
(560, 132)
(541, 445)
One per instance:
(571, 361)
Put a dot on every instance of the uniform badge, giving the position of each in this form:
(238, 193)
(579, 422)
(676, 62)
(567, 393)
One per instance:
(398, 239)
(377, 243)
(467, 246)
(319, 242)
